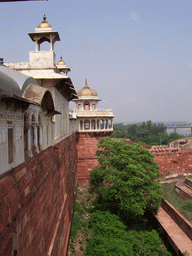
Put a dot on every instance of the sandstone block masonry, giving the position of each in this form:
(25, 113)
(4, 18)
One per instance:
(86, 158)
(36, 202)
(173, 160)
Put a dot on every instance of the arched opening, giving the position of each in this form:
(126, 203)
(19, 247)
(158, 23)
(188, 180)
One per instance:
(79, 106)
(45, 46)
(87, 124)
(10, 145)
(86, 105)
(102, 124)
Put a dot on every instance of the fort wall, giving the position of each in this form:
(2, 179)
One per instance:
(36, 202)
(173, 160)
(86, 158)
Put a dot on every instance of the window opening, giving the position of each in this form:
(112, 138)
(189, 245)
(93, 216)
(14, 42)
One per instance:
(10, 145)
(86, 105)
(102, 124)
(87, 125)
(110, 123)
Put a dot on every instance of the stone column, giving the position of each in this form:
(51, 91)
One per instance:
(107, 124)
(112, 124)
(35, 138)
(37, 46)
(29, 151)
(51, 43)
(40, 137)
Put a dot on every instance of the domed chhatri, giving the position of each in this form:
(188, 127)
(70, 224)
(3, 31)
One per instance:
(86, 91)
(89, 117)
(44, 23)
(61, 62)
(44, 32)
(62, 67)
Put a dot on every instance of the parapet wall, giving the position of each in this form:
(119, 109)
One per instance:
(36, 202)
(172, 160)
(184, 224)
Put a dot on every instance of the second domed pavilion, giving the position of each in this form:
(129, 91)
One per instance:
(89, 117)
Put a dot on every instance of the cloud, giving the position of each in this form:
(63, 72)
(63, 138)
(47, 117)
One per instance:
(134, 16)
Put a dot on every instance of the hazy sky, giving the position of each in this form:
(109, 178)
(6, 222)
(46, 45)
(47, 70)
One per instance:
(136, 54)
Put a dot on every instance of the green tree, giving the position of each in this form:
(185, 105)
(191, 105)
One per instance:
(145, 132)
(125, 178)
(111, 237)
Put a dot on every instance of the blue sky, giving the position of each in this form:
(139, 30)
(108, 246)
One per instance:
(136, 54)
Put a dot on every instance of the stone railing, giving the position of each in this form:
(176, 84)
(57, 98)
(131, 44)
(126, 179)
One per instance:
(17, 65)
(97, 112)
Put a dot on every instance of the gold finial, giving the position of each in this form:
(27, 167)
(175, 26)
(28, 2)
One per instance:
(61, 62)
(44, 23)
(86, 82)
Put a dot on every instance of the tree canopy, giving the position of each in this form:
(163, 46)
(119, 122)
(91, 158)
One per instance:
(146, 132)
(111, 237)
(126, 178)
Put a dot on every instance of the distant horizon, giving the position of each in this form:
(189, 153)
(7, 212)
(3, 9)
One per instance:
(152, 122)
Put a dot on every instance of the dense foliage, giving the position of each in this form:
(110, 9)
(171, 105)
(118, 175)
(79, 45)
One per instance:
(125, 178)
(147, 132)
(111, 237)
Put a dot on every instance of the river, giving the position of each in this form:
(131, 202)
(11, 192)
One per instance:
(183, 131)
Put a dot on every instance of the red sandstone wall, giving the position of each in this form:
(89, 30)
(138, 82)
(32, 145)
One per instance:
(173, 160)
(86, 158)
(39, 195)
